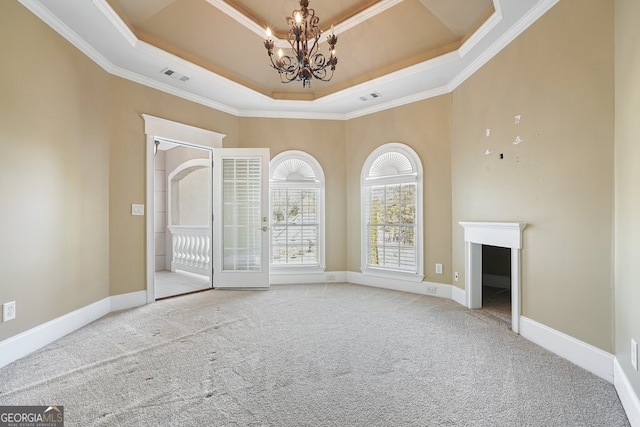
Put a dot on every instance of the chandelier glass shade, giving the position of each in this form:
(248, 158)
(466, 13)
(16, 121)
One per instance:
(304, 62)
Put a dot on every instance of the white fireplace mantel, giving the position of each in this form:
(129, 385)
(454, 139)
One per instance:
(501, 234)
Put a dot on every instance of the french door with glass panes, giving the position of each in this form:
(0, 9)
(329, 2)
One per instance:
(241, 218)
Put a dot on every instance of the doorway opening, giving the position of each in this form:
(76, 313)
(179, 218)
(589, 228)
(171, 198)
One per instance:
(496, 281)
(182, 211)
(163, 135)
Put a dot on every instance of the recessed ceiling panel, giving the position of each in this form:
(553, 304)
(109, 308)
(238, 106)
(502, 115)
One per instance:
(404, 50)
(195, 30)
(273, 13)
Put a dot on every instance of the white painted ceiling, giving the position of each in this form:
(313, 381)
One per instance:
(402, 50)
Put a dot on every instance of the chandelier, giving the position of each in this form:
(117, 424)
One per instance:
(305, 61)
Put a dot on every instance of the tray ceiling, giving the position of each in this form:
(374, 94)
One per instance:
(401, 50)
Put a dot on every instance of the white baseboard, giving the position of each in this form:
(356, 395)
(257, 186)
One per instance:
(307, 278)
(130, 300)
(423, 288)
(459, 295)
(629, 399)
(588, 357)
(29, 341)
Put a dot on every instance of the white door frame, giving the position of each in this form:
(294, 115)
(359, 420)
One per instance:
(155, 127)
(501, 234)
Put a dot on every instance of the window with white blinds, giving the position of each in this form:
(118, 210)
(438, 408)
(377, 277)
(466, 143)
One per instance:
(242, 216)
(392, 212)
(392, 226)
(297, 212)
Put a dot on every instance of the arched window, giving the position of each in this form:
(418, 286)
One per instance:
(297, 213)
(391, 192)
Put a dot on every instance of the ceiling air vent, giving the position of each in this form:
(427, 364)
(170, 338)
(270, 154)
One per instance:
(174, 74)
(372, 95)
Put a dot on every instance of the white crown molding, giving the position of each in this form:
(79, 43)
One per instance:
(318, 109)
(291, 114)
(343, 26)
(116, 21)
(238, 16)
(365, 15)
(480, 33)
(189, 96)
(540, 9)
(61, 28)
(431, 93)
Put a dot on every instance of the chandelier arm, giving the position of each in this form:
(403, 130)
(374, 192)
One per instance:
(287, 68)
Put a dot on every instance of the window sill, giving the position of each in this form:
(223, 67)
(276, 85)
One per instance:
(390, 274)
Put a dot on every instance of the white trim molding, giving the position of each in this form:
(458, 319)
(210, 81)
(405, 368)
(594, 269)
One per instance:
(305, 278)
(158, 128)
(303, 171)
(180, 132)
(594, 360)
(502, 234)
(393, 163)
(458, 295)
(630, 401)
(35, 338)
(433, 289)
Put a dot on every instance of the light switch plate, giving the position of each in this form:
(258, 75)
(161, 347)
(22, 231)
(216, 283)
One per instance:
(634, 354)
(438, 268)
(137, 209)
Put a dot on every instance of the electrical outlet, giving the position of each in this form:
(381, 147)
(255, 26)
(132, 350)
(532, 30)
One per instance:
(634, 354)
(8, 311)
(431, 289)
(137, 209)
(331, 277)
(438, 268)
(455, 276)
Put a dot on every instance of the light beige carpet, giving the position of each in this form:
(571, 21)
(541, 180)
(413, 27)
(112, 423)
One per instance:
(307, 355)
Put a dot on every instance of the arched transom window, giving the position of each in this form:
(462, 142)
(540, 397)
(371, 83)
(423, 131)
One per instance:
(392, 213)
(297, 212)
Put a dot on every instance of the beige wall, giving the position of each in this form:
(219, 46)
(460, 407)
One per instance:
(558, 75)
(425, 127)
(324, 140)
(54, 173)
(627, 160)
(127, 169)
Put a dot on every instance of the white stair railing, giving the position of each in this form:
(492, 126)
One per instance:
(191, 249)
